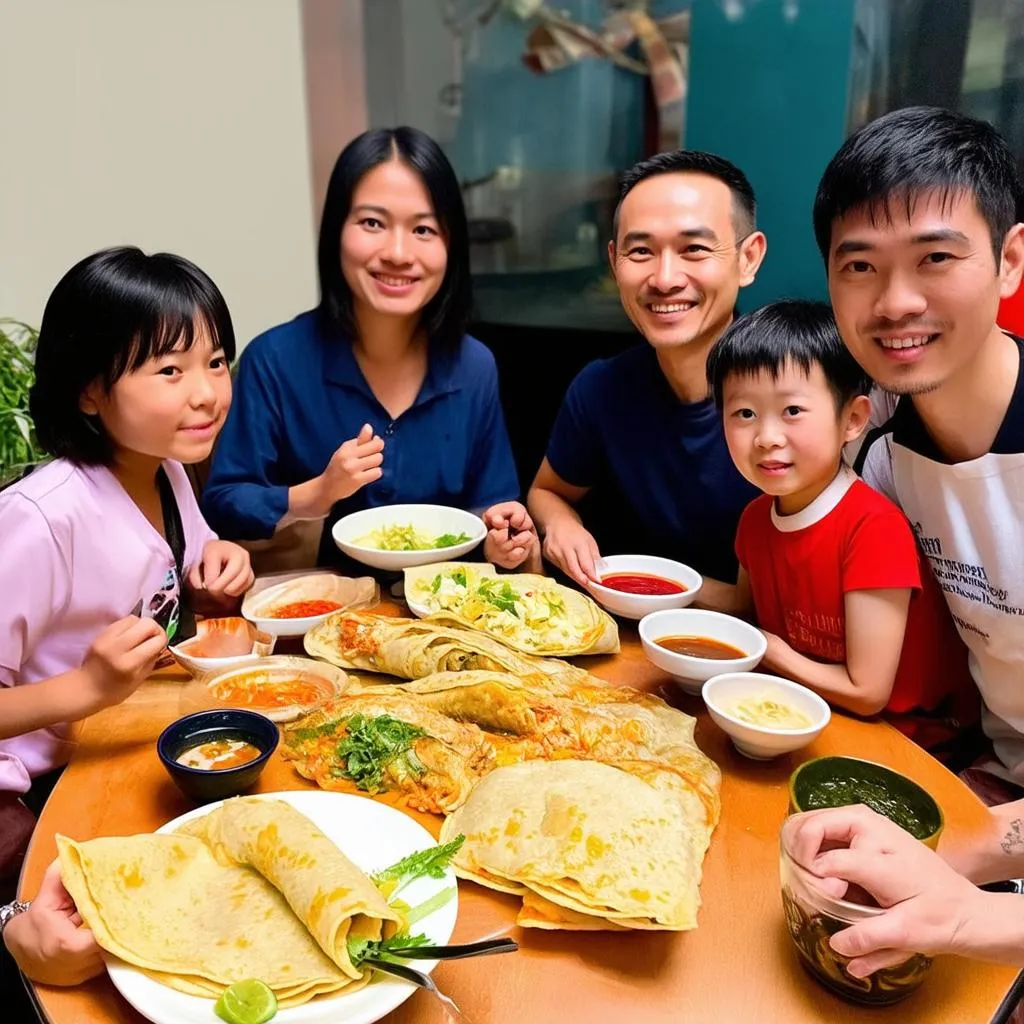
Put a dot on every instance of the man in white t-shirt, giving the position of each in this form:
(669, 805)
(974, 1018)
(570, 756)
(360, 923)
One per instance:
(916, 217)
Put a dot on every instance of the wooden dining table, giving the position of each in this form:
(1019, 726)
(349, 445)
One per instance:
(738, 966)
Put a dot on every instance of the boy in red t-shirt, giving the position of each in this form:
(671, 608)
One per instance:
(829, 567)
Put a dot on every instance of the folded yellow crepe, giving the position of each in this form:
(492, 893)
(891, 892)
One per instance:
(588, 843)
(253, 889)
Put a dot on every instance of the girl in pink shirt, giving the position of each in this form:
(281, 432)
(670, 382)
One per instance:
(132, 380)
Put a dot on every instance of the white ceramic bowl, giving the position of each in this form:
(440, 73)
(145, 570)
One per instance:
(347, 592)
(759, 741)
(431, 519)
(690, 673)
(636, 606)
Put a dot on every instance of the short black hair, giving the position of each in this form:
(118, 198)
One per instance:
(792, 331)
(910, 153)
(108, 315)
(692, 161)
(445, 317)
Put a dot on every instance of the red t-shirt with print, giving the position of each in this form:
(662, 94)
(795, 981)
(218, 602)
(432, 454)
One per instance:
(798, 580)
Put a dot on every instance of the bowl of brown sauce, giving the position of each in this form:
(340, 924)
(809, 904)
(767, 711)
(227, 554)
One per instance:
(693, 644)
(632, 586)
(212, 755)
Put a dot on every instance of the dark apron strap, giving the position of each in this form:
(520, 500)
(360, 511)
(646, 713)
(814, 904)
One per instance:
(174, 532)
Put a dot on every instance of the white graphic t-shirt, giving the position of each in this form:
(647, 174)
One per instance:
(969, 521)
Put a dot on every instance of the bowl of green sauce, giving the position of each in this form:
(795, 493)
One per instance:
(837, 781)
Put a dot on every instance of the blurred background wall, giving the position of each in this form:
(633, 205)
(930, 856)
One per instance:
(181, 126)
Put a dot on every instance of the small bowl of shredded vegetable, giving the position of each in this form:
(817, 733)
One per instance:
(398, 537)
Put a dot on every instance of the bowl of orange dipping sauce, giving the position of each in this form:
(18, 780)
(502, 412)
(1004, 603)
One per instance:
(212, 755)
(692, 645)
(632, 586)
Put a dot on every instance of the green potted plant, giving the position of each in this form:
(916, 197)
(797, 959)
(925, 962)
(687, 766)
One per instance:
(18, 448)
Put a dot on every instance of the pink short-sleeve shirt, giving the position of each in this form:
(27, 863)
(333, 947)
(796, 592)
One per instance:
(76, 554)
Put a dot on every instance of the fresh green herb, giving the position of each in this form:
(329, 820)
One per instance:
(449, 540)
(388, 950)
(435, 585)
(459, 576)
(18, 448)
(500, 594)
(375, 744)
(430, 863)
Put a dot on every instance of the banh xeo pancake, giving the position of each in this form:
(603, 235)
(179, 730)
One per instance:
(587, 837)
(467, 723)
(529, 613)
(385, 739)
(253, 889)
(414, 648)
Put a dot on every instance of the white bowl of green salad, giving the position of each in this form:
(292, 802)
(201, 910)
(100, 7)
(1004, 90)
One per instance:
(398, 537)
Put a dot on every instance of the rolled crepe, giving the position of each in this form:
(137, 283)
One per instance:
(325, 890)
(268, 896)
(414, 648)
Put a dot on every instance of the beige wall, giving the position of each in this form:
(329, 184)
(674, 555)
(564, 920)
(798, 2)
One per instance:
(170, 124)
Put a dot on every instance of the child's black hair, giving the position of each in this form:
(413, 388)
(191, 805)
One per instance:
(109, 314)
(791, 331)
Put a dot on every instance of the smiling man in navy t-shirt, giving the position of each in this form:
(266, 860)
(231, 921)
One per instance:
(685, 243)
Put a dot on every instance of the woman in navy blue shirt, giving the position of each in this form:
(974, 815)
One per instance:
(377, 396)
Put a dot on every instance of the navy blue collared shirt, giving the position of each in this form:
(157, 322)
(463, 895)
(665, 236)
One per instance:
(299, 394)
(621, 425)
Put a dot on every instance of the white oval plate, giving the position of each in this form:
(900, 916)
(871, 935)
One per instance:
(371, 835)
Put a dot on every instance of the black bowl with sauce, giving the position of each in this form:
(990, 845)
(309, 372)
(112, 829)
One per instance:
(837, 781)
(205, 784)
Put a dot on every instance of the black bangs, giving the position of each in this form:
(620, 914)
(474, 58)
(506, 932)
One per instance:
(170, 316)
(109, 315)
(790, 332)
(910, 155)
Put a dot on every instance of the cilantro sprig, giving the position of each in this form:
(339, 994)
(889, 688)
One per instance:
(385, 950)
(374, 744)
(429, 863)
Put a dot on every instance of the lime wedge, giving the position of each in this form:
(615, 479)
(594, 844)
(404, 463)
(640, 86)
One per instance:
(246, 1002)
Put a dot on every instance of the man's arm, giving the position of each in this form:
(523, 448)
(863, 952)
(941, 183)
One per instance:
(997, 853)
(567, 542)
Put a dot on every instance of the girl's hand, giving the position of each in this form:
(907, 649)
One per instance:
(511, 537)
(119, 659)
(224, 571)
(49, 942)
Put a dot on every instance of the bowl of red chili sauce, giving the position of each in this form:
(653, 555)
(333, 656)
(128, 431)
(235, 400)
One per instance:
(633, 586)
(296, 605)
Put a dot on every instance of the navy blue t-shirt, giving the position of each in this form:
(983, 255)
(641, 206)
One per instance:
(299, 394)
(621, 425)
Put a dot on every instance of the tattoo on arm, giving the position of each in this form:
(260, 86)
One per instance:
(1013, 841)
